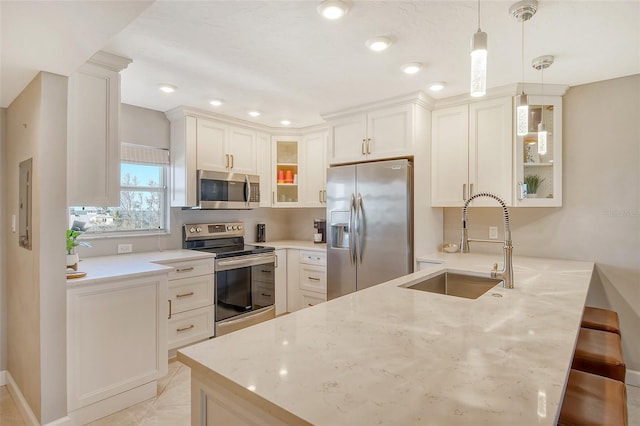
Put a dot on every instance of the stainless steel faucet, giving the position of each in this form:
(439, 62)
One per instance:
(507, 271)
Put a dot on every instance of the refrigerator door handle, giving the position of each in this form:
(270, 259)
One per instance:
(352, 242)
(359, 235)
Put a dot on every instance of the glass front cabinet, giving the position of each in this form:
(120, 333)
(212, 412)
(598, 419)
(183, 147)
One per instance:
(538, 168)
(287, 158)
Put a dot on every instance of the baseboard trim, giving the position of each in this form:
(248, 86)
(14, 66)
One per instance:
(62, 421)
(23, 407)
(633, 378)
(3, 377)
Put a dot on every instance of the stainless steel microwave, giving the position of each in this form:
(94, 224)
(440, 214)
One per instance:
(231, 191)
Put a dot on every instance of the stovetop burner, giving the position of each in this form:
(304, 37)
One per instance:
(223, 239)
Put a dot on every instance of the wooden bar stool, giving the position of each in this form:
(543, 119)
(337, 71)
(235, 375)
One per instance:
(601, 319)
(599, 352)
(592, 400)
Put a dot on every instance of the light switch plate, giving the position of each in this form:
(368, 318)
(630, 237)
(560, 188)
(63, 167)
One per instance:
(125, 248)
(493, 232)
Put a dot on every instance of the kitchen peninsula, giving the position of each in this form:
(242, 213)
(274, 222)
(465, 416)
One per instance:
(392, 355)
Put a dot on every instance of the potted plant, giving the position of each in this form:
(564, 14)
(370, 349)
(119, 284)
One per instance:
(72, 255)
(532, 182)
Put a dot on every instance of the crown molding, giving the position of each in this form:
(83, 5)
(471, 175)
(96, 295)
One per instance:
(503, 91)
(418, 98)
(110, 61)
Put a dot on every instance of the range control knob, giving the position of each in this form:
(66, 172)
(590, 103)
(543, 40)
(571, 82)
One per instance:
(198, 230)
(234, 227)
(192, 230)
(240, 227)
(228, 227)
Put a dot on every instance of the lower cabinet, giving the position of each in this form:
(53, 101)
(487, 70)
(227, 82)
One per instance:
(190, 300)
(309, 271)
(116, 344)
(281, 281)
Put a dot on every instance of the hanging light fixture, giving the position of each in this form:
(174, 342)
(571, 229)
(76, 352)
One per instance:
(523, 11)
(541, 63)
(479, 61)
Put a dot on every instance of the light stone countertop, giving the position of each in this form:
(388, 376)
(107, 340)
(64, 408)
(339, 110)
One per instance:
(296, 244)
(396, 356)
(106, 268)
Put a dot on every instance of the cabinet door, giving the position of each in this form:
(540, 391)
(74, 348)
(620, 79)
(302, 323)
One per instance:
(281, 281)
(264, 168)
(390, 132)
(242, 149)
(449, 156)
(347, 139)
(490, 150)
(211, 145)
(93, 152)
(287, 153)
(314, 170)
(294, 297)
(544, 165)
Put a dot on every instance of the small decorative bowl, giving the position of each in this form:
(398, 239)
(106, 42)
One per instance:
(450, 248)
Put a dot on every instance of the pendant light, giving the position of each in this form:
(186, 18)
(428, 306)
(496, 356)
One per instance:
(541, 63)
(523, 11)
(479, 61)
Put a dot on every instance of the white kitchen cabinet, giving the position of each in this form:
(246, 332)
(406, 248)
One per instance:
(263, 149)
(281, 281)
(314, 170)
(294, 296)
(116, 344)
(546, 166)
(190, 299)
(287, 155)
(311, 279)
(93, 139)
(377, 134)
(222, 147)
(471, 152)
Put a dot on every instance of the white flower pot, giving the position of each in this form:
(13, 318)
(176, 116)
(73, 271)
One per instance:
(72, 261)
(532, 195)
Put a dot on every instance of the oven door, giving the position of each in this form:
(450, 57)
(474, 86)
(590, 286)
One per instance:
(245, 291)
(220, 190)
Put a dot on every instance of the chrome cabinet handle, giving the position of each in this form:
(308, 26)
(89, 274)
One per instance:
(187, 269)
(470, 190)
(320, 196)
(368, 145)
(275, 263)
(313, 278)
(464, 192)
(185, 328)
(227, 156)
(169, 317)
(185, 294)
(265, 294)
(363, 150)
(232, 161)
(324, 195)
(273, 197)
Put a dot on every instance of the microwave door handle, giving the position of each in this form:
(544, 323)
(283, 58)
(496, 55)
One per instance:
(247, 189)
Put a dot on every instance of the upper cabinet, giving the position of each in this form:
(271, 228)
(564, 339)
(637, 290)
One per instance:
(386, 132)
(536, 165)
(200, 142)
(314, 179)
(471, 152)
(93, 142)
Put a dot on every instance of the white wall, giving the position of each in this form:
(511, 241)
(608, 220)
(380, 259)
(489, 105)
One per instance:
(36, 124)
(144, 126)
(600, 217)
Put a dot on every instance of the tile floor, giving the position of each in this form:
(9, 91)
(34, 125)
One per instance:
(172, 405)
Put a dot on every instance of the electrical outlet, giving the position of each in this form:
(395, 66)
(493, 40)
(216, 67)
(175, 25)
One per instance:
(125, 248)
(493, 232)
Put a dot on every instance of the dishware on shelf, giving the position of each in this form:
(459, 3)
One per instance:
(450, 248)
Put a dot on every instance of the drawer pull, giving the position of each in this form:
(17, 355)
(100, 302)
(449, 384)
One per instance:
(265, 294)
(314, 278)
(169, 309)
(185, 328)
(310, 304)
(187, 269)
(185, 294)
(266, 272)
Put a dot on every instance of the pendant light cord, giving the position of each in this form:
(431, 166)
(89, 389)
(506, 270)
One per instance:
(542, 90)
(478, 15)
(522, 50)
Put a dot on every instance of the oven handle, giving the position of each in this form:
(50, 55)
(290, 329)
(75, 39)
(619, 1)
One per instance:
(254, 314)
(244, 261)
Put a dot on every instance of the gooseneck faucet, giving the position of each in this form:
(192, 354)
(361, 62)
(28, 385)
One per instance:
(507, 271)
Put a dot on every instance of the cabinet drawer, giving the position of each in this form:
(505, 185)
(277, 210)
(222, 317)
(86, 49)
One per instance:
(191, 293)
(264, 273)
(263, 294)
(312, 299)
(190, 268)
(313, 258)
(189, 327)
(313, 278)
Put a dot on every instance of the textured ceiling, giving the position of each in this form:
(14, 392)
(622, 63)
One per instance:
(283, 59)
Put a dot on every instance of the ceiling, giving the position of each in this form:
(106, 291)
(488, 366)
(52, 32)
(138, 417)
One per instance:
(286, 61)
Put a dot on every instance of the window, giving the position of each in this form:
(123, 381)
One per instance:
(143, 197)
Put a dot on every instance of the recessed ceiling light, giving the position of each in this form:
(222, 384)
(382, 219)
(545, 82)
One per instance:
(254, 113)
(167, 88)
(412, 67)
(378, 44)
(436, 86)
(216, 102)
(285, 122)
(333, 9)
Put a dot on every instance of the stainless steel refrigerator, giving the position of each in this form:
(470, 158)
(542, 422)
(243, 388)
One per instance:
(369, 225)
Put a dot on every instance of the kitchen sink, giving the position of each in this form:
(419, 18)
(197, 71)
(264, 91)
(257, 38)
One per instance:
(459, 285)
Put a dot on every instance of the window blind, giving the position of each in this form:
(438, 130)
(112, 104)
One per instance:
(132, 153)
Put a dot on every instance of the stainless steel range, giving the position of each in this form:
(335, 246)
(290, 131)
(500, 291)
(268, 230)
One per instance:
(244, 274)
